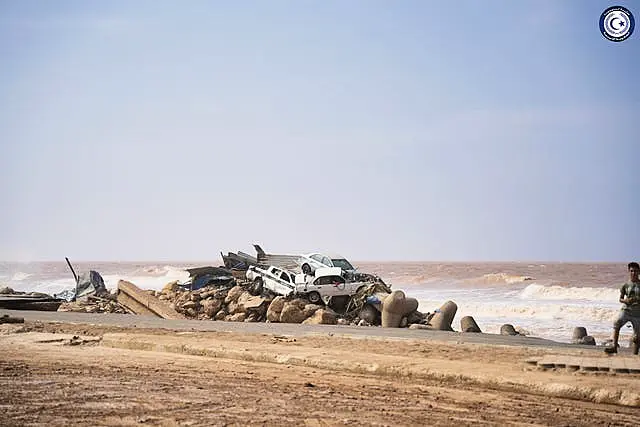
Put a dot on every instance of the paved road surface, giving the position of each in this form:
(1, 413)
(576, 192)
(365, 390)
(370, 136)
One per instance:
(128, 320)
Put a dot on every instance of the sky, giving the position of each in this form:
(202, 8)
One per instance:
(405, 130)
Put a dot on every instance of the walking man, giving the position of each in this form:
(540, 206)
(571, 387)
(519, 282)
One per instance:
(630, 312)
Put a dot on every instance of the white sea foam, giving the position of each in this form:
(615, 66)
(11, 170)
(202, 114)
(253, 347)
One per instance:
(50, 287)
(541, 292)
(20, 276)
(161, 276)
(505, 278)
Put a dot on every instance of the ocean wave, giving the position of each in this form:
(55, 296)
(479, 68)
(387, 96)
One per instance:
(153, 280)
(510, 310)
(50, 287)
(20, 276)
(555, 292)
(156, 271)
(505, 278)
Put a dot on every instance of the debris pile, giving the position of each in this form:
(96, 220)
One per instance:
(93, 304)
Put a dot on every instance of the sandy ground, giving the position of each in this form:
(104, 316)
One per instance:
(132, 376)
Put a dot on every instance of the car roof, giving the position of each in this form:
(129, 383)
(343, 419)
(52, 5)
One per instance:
(331, 255)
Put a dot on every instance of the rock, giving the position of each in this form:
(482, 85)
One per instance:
(587, 340)
(211, 307)
(404, 322)
(363, 322)
(7, 291)
(395, 307)
(195, 297)
(191, 312)
(234, 294)
(10, 319)
(220, 315)
(443, 317)
(310, 309)
(507, 329)
(468, 324)
(321, 317)
(275, 308)
(233, 308)
(190, 305)
(369, 314)
(238, 317)
(170, 287)
(342, 322)
(578, 333)
(208, 294)
(249, 302)
(292, 313)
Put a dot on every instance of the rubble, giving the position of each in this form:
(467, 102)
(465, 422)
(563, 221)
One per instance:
(93, 304)
(11, 319)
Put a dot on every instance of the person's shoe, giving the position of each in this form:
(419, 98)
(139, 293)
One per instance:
(611, 350)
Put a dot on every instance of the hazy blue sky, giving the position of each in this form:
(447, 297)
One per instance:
(383, 130)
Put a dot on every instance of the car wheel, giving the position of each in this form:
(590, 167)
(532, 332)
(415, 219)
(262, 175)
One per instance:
(306, 269)
(257, 286)
(314, 297)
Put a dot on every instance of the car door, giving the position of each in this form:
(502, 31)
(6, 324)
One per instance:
(321, 285)
(271, 281)
(285, 284)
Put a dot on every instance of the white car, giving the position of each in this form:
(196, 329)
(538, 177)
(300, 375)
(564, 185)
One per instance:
(326, 283)
(310, 262)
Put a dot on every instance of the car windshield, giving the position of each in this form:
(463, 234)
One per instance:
(342, 263)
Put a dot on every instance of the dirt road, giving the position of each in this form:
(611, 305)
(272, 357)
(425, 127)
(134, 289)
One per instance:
(119, 376)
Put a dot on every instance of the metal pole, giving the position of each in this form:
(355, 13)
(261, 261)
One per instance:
(75, 276)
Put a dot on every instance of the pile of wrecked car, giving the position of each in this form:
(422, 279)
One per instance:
(311, 288)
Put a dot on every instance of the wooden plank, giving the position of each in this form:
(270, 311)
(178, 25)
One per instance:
(146, 300)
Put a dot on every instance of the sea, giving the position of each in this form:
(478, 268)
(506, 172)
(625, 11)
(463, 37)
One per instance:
(545, 300)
